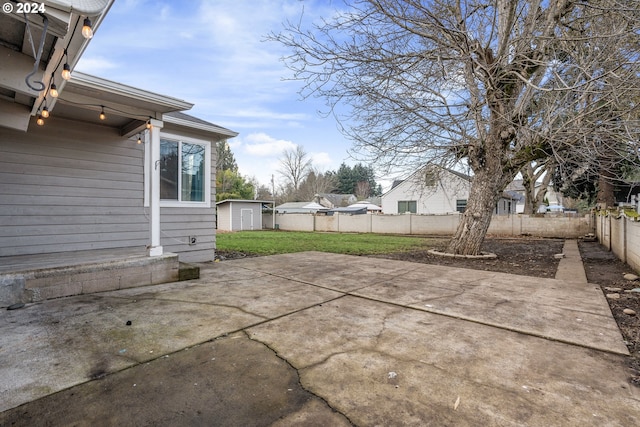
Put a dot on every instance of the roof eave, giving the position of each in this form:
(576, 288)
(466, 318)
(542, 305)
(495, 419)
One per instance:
(166, 103)
(199, 126)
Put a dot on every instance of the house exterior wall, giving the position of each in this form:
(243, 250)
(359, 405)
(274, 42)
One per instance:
(437, 199)
(70, 186)
(178, 224)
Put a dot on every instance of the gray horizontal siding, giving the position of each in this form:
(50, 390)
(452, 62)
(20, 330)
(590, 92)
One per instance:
(178, 224)
(69, 186)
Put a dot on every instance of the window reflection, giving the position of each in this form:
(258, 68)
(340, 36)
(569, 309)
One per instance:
(192, 172)
(168, 170)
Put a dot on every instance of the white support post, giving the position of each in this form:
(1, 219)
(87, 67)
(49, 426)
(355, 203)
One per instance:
(155, 249)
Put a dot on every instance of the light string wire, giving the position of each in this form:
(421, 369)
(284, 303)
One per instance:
(44, 98)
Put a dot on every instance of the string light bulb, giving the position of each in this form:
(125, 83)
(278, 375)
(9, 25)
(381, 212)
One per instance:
(66, 72)
(45, 112)
(87, 31)
(102, 115)
(40, 121)
(139, 139)
(53, 90)
(66, 69)
(149, 124)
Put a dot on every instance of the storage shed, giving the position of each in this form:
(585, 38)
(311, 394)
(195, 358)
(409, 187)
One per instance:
(237, 215)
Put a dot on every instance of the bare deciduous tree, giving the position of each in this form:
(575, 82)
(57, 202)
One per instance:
(363, 189)
(531, 173)
(494, 83)
(316, 182)
(295, 164)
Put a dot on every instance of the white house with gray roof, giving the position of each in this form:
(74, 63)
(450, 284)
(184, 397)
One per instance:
(433, 190)
(429, 190)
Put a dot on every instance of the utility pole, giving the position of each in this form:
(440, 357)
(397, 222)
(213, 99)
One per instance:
(273, 193)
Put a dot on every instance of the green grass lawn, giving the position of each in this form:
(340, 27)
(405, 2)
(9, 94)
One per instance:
(268, 242)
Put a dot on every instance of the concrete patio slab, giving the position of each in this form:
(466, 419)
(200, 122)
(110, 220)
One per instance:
(320, 339)
(543, 307)
(387, 365)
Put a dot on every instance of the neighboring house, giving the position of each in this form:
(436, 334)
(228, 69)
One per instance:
(434, 190)
(368, 206)
(552, 197)
(429, 190)
(301, 207)
(508, 203)
(237, 215)
(348, 210)
(331, 200)
(113, 166)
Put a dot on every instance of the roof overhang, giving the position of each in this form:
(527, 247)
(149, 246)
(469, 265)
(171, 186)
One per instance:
(126, 107)
(200, 127)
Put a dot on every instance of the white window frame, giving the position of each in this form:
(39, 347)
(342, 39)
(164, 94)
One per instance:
(207, 173)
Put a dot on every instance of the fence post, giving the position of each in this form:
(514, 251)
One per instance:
(624, 238)
(410, 223)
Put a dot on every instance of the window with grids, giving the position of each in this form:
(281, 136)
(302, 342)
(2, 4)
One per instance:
(461, 205)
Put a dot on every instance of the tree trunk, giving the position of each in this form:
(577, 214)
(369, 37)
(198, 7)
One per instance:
(490, 178)
(605, 195)
(476, 218)
(528, 183)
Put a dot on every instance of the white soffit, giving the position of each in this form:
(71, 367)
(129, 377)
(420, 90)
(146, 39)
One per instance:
(82, 7)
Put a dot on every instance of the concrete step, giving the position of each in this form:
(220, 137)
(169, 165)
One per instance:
(86, 276)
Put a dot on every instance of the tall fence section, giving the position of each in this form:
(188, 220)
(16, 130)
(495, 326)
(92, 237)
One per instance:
(503, 225)
(620, 232)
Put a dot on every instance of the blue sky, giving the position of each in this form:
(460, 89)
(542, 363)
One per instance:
(212, 53)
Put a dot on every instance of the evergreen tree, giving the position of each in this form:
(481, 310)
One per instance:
(358, 180)
(226, 160)
(229, 183)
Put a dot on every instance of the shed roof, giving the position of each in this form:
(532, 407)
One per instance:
(243, 201)
(365, 204)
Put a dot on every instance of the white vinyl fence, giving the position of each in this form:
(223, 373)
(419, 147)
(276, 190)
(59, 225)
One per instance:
(621, 234)
(504, 225)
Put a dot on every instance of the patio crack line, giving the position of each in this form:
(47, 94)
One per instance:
(293, 279)
(299, 382)
(204, 341)
(196, 302)
(494, 325)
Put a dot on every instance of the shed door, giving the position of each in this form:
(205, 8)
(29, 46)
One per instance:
(246, 219)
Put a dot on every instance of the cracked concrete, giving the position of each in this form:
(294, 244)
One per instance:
(279, 341)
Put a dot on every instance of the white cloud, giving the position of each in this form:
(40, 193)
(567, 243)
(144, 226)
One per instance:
(95, 65)
(321, 160)
(262, 145)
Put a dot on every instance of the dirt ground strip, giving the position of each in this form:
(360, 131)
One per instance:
(605, 269)
(530, 256)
